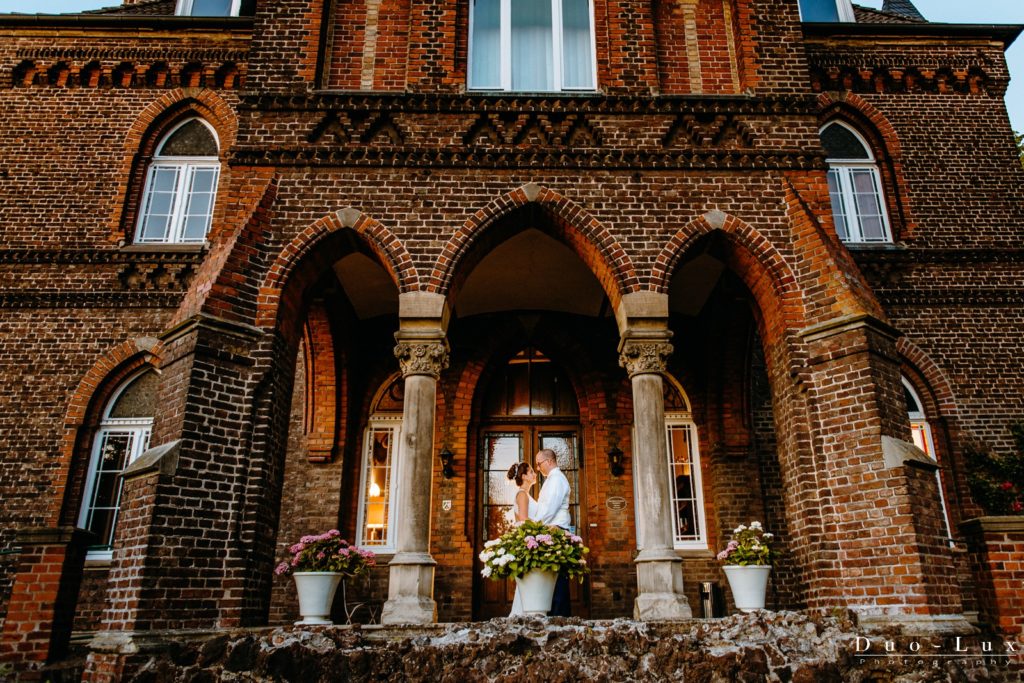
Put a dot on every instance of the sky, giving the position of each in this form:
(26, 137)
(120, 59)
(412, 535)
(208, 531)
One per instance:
(948, 11)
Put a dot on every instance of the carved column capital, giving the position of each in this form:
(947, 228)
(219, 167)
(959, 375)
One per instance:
(644, 357)
(422, 357)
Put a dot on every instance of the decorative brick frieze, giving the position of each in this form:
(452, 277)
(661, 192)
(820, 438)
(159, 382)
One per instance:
(63, 299)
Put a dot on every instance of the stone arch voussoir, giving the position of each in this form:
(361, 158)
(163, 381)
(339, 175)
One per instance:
(938, 384)
(581, 232)
(770, 280)
(381, 241)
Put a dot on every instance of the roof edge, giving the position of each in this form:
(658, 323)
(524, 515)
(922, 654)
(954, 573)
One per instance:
(122, 21)
(1007, 33)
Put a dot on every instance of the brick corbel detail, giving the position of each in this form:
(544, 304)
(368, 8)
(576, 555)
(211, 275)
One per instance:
(41, 610)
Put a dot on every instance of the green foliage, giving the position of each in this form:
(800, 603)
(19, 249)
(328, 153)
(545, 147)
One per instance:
(997, 482)
(534, 546)
(750, 545)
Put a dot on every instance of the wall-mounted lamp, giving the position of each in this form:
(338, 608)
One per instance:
(447, 458)
(615, 457)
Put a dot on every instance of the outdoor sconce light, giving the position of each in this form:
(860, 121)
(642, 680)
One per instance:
(447, 458)
(615, 456)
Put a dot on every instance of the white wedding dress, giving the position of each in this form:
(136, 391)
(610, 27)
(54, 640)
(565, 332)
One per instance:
(531, 512)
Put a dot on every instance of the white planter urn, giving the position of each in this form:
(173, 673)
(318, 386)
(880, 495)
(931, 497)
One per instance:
(316, 595)
(749, 585)
(536, 589)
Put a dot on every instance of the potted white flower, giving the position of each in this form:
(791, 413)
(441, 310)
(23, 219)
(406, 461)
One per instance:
(748, 561)
(534, 554)
(318, 564)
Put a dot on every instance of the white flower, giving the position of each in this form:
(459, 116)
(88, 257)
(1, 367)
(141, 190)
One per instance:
(767, 535)
(741, 527)
(486, 555)
(485, 572)
(755, 525)
(492, 543)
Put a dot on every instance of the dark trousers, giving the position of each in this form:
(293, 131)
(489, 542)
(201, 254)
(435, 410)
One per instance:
(560, 606)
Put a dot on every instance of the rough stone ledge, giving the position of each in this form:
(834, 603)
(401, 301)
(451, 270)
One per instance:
(764, 646)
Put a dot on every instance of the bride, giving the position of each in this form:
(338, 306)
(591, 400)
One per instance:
(524, 508)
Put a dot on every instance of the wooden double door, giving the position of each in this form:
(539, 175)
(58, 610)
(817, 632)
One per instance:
(500, 447)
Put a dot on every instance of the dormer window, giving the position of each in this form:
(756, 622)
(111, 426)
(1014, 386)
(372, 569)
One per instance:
(531, 45)
(181, 184)
(854, 186)
(208, 8)
(826, 10)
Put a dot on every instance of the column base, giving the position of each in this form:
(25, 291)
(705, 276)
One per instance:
(410, 590)
(659, 578)
(661, 607)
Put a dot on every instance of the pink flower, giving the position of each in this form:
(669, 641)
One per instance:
(732, 545)
(308, 539)
(1006, 485)
(1017, 506)
(297, 548)
(575, 539)
(320, 556)
(281, 568)
(723, 555)
(545, 539)
(531, 542)
(333, 533)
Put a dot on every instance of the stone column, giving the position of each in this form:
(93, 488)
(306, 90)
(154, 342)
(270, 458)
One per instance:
(659, 572)
(422, 352)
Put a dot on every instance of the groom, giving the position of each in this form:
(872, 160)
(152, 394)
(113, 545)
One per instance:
(553, 510)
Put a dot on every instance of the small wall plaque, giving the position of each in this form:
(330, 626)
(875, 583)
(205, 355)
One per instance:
(616, 503)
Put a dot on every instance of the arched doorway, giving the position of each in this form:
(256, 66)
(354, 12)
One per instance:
(528, 404)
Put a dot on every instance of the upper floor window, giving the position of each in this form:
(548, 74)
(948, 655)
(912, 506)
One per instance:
(854, 186)
(123, 436)
(181, 183)
(531, 45)
(826, 10)
(208, 8)
(921, 433)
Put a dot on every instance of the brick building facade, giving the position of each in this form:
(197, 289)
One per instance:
(790, 246)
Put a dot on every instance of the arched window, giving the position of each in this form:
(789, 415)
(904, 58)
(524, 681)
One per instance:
(181, 184)
(378, 480)
(826, 10)
(123, 436)
(921, 432)
(687, 490)
(854, 186)
(531, 45)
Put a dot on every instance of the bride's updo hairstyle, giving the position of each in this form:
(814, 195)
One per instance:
(518, 471)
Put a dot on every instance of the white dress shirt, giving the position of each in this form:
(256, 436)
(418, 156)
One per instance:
(553, 503)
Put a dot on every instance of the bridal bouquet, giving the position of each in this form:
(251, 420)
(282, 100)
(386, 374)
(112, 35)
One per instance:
(534, 546)
(327, 552)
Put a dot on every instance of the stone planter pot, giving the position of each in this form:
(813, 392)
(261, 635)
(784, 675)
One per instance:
(316, 595)
(536, 589)
(749, 585)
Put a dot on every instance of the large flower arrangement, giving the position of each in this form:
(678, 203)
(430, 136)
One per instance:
(534, 546)
(749, 546)
(327, 552)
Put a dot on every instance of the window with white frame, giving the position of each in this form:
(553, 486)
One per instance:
(685, 486)
(378, 483)
(854, 186)
(208, 8)
(532, 45)
(122, 436)
(921, 432)
(826, 10)
(181, 184)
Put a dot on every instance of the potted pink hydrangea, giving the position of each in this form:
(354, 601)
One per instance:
(748, 562)
(318, 564)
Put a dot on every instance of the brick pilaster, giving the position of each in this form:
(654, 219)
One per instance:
(996, 549)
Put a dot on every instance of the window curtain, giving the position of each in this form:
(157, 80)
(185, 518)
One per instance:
(577, 65)
(532, 50)
(485, 62)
